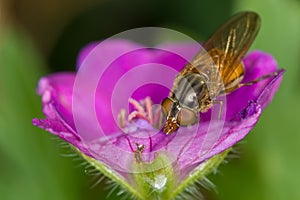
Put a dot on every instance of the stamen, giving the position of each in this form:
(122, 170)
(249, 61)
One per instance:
(136, 114)
(143, 110)
(137, 105)
(122, 118)
(148, 104)
(138, 152)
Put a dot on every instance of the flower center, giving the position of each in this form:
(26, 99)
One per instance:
(143, 109)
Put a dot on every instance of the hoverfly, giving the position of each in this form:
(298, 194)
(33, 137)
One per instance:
(217, 71)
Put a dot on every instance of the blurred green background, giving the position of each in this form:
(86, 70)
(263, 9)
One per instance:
(40, 37)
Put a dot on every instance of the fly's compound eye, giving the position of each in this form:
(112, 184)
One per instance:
(185, 116)
(166, 106)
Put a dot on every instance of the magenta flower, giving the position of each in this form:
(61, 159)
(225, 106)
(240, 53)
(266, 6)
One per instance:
(128, 147)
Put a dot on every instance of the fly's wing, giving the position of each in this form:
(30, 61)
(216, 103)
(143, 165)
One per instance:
(228, 45)
(222, 63)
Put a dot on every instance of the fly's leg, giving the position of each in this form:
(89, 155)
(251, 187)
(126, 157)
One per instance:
(220, 102)
(260, 78)
(228, 90)
(241, 85)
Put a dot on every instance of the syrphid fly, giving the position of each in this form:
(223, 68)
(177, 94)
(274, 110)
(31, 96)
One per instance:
(217, 71)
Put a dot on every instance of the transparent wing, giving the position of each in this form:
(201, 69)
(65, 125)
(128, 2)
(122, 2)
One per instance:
(226, 48)
(228, 45)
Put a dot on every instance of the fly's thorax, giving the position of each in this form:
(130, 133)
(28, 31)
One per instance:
(191, 91)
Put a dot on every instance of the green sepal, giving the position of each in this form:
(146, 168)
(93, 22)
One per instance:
(158, 180)
(200, 172)
(112, 174)
(154, 180)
